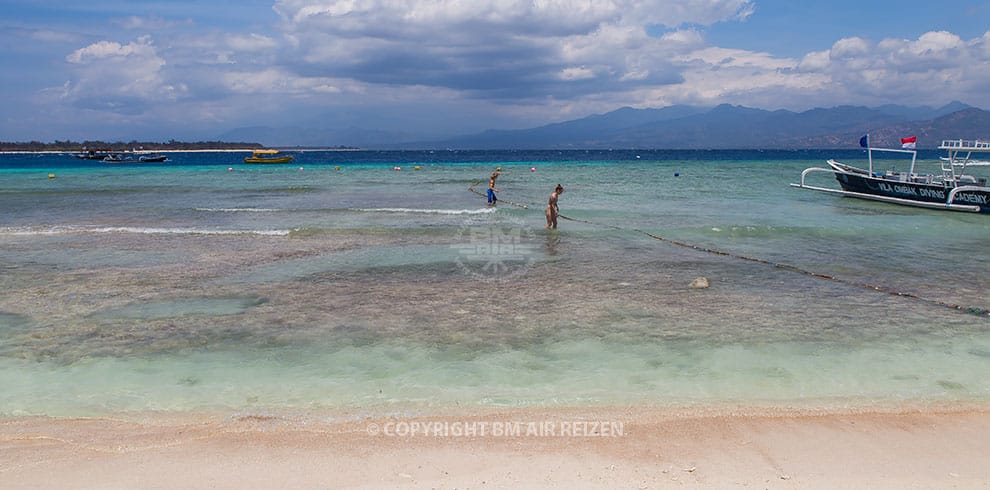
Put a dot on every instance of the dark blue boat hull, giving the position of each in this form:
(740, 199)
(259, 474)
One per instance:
(911, 191)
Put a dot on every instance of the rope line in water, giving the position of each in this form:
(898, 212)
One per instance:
(872, 287)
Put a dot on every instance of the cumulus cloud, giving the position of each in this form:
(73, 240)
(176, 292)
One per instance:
(556, 17)
(936, 66)
(497, 48)
(118, 77)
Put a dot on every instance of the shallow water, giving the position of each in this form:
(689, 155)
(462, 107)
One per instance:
(205, 284)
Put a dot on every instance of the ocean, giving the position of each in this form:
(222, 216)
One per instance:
(339, 283)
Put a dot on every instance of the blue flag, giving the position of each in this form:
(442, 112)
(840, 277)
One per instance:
(865, 141)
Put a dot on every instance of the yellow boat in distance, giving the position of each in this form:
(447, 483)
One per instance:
(267, 156)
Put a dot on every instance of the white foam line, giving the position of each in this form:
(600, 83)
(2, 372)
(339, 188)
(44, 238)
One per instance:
(239, 210)
(187, 231)
(63, 230)
(30, 232)
(427, 211)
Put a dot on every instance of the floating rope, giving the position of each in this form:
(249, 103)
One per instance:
(872, 287)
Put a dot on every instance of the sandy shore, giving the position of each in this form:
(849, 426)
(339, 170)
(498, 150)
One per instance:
(564, 448)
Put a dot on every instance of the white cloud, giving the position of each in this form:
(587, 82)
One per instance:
(849, 48)
(47, 35)
(933, 69)
(576, 73)
(684, 37)
(135, 22)
(251, 42)
(107, 49)
(555, 15)
(493, 48)
(814, 61)
(119, 77)
(275, 82)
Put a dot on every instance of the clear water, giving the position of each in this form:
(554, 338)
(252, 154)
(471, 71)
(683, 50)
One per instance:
(204, 283)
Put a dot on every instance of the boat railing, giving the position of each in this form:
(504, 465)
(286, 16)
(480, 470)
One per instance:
(814, 170)
(962, 188)
(965, 145)
(870, 150)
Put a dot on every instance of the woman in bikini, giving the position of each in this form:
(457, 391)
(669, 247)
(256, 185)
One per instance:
(552, 210)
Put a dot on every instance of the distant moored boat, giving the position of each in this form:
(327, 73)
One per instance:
(267, 156)
(153, 158)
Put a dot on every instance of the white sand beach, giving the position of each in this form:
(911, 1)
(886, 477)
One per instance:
(638, 447)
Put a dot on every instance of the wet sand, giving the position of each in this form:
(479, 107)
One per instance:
(639, 447)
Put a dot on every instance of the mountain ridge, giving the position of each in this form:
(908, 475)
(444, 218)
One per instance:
(678, 127)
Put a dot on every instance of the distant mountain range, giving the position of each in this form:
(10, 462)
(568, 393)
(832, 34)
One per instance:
(680, 127)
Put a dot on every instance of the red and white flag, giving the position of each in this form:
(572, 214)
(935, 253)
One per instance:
(909, 142)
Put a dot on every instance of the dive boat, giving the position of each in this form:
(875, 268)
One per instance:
(951, 189)
(267, 156)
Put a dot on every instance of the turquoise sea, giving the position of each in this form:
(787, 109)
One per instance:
(339, 283)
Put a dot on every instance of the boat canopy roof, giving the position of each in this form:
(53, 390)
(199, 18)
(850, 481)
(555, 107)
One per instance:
(265, 152)
(965, 145)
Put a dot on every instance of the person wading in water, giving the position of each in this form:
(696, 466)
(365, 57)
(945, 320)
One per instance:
(552, 210)
(492, 198)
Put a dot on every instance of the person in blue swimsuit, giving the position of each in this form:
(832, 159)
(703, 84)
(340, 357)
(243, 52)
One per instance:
(492, 198)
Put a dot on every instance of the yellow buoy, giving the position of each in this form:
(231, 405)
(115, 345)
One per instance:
(51, 176)
(337, 168)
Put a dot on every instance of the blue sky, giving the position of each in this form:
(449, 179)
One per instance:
(193, 70)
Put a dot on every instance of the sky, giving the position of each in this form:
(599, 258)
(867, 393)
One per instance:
(192, 70)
